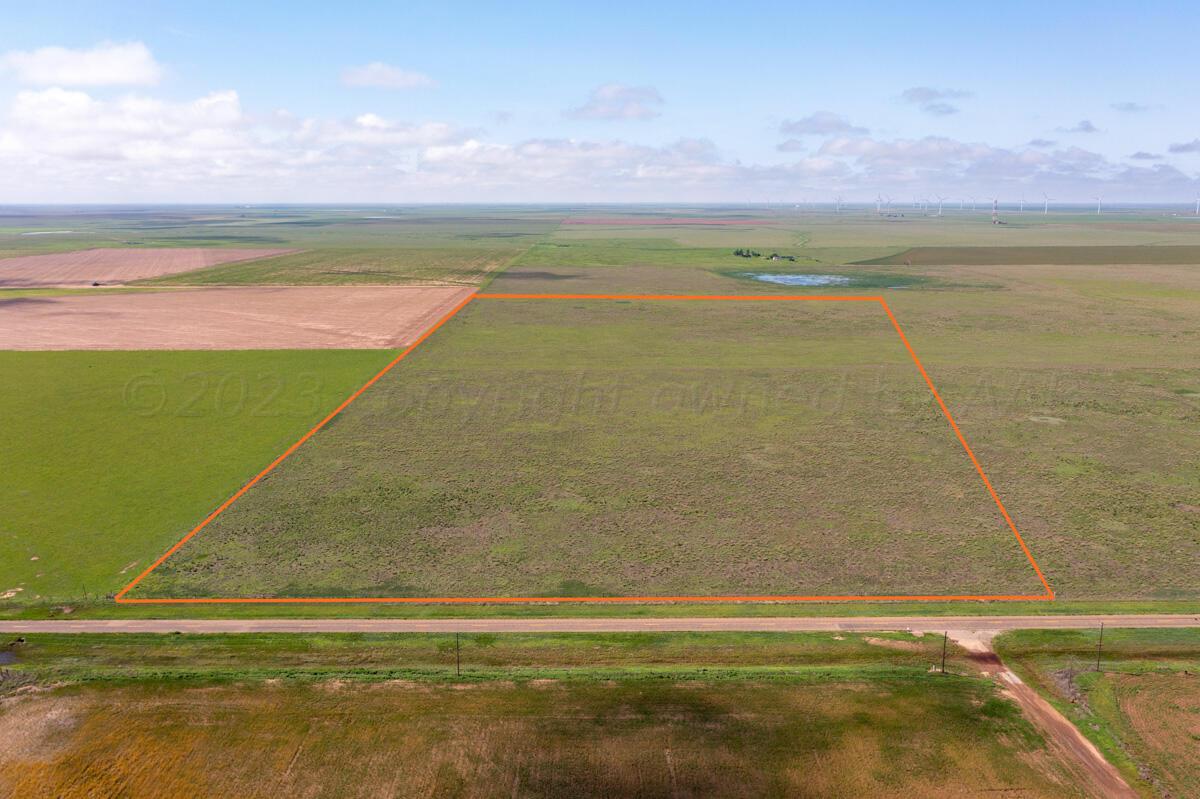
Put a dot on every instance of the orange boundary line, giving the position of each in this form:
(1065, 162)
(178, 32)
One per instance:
(120, 597)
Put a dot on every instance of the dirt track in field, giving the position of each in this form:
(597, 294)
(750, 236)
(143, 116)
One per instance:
(250, 318)
(109, 266)
(1070, 747)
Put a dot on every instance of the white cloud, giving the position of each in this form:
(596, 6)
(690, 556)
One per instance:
(934, 101)
(385, 76)
(65, 136)
(106, 64)
(822, 123)
(618, 101)
(1082, 126)
(570, 162)
(938, 163)
(66, 145)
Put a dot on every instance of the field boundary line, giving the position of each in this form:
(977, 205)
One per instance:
(122, 598)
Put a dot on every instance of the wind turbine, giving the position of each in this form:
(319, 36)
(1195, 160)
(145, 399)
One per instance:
(960, 203)
(1022, 209)
(972, 205)
(839, 204)
(995, 210)
(878, 205)
(888, 201)
(1046, 198)
(1198, 206)
(1099, 200)
(941, 200)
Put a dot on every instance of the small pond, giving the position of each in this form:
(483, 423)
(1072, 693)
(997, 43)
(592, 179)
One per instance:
(801, 280)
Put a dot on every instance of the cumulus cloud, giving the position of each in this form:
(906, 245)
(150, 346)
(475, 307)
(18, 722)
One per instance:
(65, 144)
(935, 101)
(1192, 146)
(821, 123)
(106, 64)
(936, 161)
(1082, 126)
(68, 137)
(1142, 155)
(791, 146)
(575, 163)
(71, 124)
(385, 76)
(1041, 143)
(618, 101)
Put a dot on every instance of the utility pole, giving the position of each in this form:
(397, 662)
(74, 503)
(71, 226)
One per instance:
(945, 640)
(1099, 646)
(457, 656)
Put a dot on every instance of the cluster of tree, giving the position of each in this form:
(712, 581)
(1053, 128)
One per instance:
(745, 253)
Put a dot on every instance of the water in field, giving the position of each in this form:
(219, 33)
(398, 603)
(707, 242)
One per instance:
(802, 280)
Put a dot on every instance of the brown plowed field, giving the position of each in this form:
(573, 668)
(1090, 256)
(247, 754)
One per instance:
(251, 318)
(1164, 711)
(1087, 255)
(108, 266)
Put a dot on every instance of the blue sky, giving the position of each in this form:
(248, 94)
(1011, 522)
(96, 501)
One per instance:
(410, 102)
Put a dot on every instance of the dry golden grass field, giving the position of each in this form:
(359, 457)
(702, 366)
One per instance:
(540, 715)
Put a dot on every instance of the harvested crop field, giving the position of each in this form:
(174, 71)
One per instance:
(249, 318)
(117, 265)
(1092, 256)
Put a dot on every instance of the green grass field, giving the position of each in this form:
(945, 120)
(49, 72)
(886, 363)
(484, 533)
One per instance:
(572, 448)
(110, 457)
(545, 715)
(350, 266)
(1142, 709)
(48, 658)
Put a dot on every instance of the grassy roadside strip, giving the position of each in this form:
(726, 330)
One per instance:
(45, 659)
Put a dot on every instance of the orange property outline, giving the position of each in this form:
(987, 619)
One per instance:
(1048, 595)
